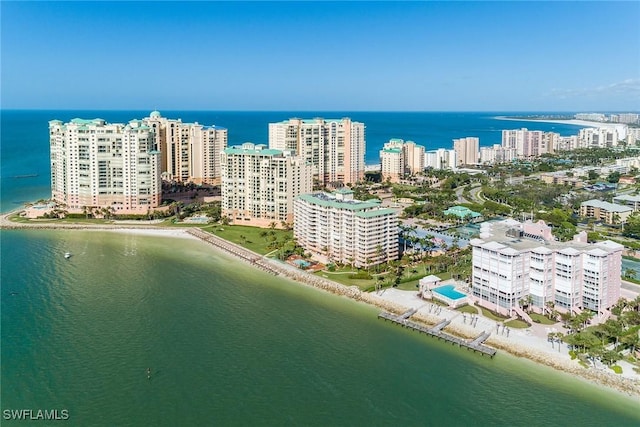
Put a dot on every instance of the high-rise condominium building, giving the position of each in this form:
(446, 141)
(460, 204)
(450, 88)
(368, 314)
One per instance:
(190, 151)
(341, 229)
(602, 137)
(467, 150)
(335, 148)
(259, 184)
(496, 154)
(512, 261)
(399, 158)
(528, 143)
(95, 164)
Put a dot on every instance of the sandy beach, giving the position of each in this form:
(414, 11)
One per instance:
(530, 343)
(584, 123)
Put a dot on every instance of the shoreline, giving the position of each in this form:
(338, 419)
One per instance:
(573, 122)
(520, 343)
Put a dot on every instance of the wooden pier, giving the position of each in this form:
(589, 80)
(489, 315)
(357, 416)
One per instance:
(476, 344)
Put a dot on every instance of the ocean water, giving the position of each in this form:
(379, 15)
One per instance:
(24, 152)
(227, 344)
(230, 345)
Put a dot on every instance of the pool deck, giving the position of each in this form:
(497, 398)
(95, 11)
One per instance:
(476, 344)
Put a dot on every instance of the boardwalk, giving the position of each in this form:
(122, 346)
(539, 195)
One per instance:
(475, 344)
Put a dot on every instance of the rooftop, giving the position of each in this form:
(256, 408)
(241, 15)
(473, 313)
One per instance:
(253, 149)
(628, 198)
(461, 212)
(328, 200)
(495, 238)
(611, 207)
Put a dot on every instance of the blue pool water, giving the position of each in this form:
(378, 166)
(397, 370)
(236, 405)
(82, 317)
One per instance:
(449, 292)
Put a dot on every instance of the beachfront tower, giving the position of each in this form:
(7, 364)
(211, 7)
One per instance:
(190, 151)
(259, 184)
(97, 165)
(336, 227)
(335, 148)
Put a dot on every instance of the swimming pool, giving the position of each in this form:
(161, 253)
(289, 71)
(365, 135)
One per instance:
(449, 292)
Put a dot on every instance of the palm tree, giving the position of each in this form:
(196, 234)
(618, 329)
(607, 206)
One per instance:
(629, 273)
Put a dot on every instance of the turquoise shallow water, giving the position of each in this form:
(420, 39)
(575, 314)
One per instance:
(229, 345)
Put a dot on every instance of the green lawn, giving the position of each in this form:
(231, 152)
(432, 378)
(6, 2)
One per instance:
(516, 323)
(343, 278)
(490, 315)
(539, 318)
(249, 237)
(468, 309)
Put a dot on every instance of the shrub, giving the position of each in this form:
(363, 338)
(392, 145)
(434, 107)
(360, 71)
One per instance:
(573, 354)
(617, 369)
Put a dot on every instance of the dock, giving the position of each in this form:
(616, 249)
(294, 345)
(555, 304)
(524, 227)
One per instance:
(475, 344)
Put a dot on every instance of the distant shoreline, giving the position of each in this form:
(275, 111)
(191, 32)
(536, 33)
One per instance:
(573, 122)
(528, 348)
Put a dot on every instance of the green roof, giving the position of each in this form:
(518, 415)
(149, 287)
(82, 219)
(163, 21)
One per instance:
(323, 199)
(260, 152)
(461, 212)
(375, 212)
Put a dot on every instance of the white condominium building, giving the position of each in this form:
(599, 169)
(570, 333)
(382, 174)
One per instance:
(565, 143)
(441, 159)
(399, 158)
(592, 117)
(496, 154)
(334, 147)
(602, 136)
(95, 164)
(467, 150)
(633, 136)
(190, 151)
(512, 261)
(341, 229)
(528, 143)
(259, 184)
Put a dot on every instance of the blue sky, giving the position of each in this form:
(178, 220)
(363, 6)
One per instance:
(386, 56)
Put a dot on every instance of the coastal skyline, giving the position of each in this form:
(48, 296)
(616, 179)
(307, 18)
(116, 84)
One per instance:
(359, 56)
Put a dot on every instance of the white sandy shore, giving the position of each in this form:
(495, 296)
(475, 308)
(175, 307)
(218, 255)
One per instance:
(530, 343)
(584, 123)
(157, 232)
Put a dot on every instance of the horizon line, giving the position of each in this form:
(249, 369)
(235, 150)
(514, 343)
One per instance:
(325, 110)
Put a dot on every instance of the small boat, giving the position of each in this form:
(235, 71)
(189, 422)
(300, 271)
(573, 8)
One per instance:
(67, 255)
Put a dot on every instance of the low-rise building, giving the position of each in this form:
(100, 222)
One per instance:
(561, 178)
(609, 213)
(513, 263)
(628, 200)
(462, 213)
(339, 228)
